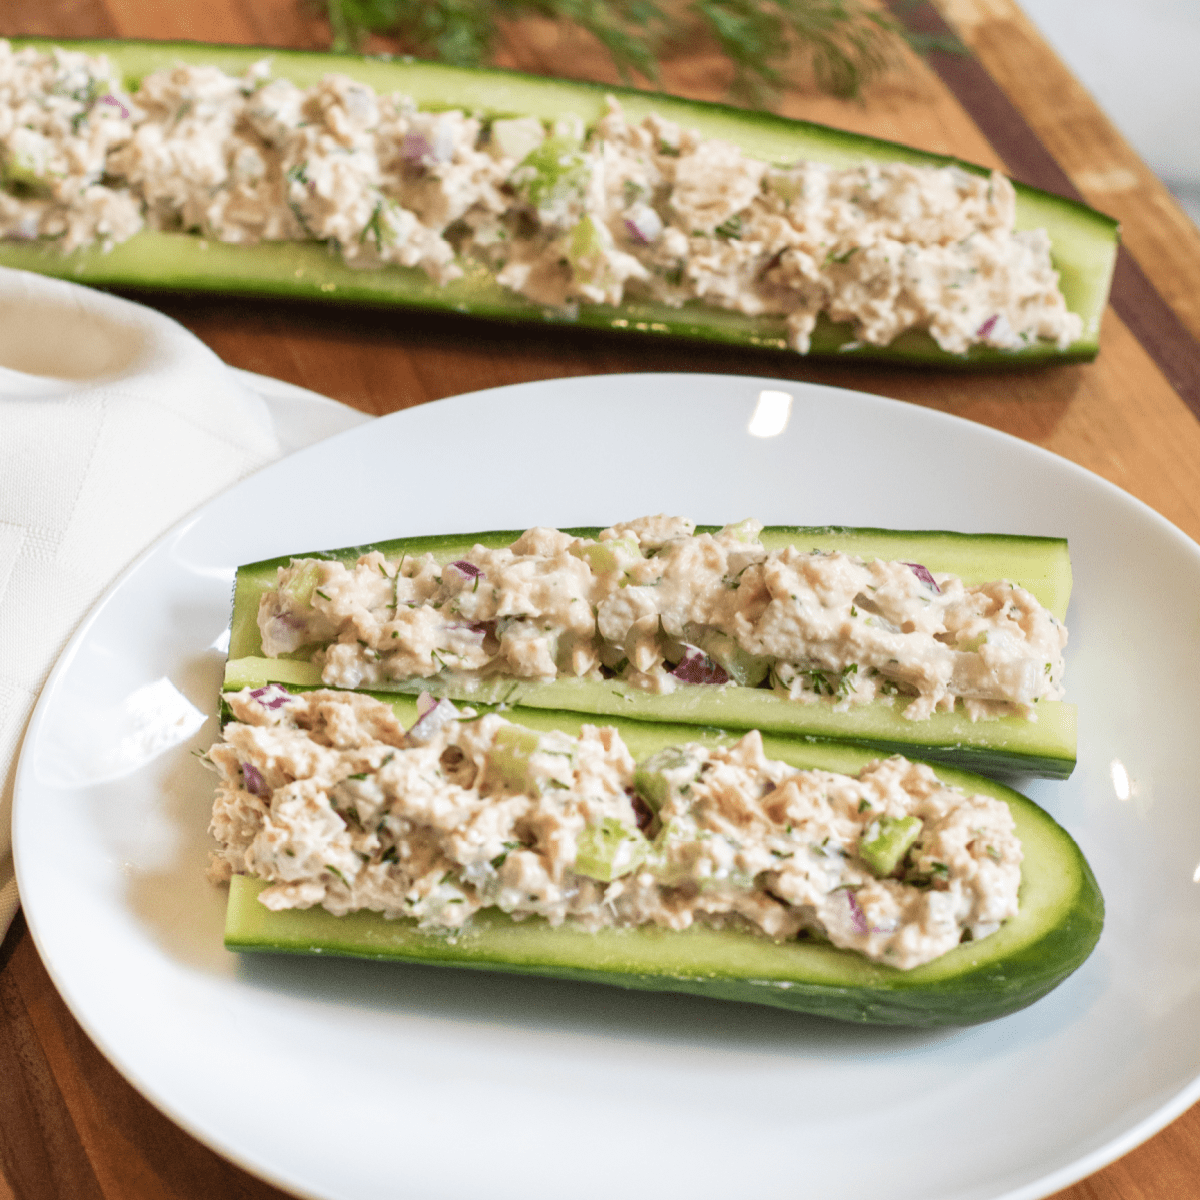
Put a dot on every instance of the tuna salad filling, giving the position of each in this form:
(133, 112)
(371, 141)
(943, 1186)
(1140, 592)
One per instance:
(558, 213)
(657, 605)
(326, 797)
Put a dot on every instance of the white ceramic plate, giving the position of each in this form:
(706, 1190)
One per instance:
(353, 1080)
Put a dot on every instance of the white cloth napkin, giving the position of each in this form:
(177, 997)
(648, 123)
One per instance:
(115, 422)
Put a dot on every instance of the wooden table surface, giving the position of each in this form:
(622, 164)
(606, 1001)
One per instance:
(70, 1126)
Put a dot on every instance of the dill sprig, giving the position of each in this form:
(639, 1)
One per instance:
(848, 42)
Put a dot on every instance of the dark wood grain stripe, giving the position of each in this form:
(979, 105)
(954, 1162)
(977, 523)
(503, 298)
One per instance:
(41, 1154)
(1135, 299)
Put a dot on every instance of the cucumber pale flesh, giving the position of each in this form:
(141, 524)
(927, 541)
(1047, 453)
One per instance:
(1083, 241)
(1060, 919)
(1009, 744)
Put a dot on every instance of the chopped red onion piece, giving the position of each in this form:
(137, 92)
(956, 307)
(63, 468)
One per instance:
(112, 100)
(922, 573)
(469, 569)
(641, 811)
(272, 696)
(467, 637)
(857, 917)
(429, 724)
(282, 633)
(425, 703)
(419, 146)
(415, 147)
(256, 785)
(643, 224)
(987, 326)
(696, 667)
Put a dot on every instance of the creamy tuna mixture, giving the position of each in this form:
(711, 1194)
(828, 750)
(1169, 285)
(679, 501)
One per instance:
(562, 215)
(325, 796)
(659, 606)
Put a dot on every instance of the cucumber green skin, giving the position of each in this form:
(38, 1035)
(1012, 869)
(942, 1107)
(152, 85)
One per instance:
(1061, 917)
(1084, 242)
(1044, 747)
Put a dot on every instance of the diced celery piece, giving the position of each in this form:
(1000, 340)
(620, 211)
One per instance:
(589, 252)
(744, 668)
(609, 850)
(553, 175)
(663, 773)
(786, 187)
(25, 163)
(885, 842)
(570, 129)
(672, 854)
(605, 557)
(517, 137)
(511, 751)
(745, 531)
(302, 585)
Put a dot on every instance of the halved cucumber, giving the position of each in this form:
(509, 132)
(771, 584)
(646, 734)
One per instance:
(1083, 241)
(1060, 919)
(1010, 744)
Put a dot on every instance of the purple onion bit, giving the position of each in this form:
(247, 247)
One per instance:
(635, 233)
(271, 697)
(429, 724)
(111, 99)
(641, 811)
(922, 573)
(256, 785)
(418, 147)
(857, 917)
(469, 569)
(696, 667)
(987, 326)
(415, 147)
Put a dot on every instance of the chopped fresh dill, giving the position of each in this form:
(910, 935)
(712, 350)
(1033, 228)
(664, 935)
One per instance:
(731, 229)
(847, 43)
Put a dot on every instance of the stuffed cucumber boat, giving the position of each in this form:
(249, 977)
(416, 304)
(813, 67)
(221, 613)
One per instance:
(789, 630)
(502, 195)
(754, 869)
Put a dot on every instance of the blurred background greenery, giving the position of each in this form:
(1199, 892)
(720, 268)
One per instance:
(844, 44)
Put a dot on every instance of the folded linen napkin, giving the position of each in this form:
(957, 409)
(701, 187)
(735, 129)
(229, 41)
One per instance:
(115, 422)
